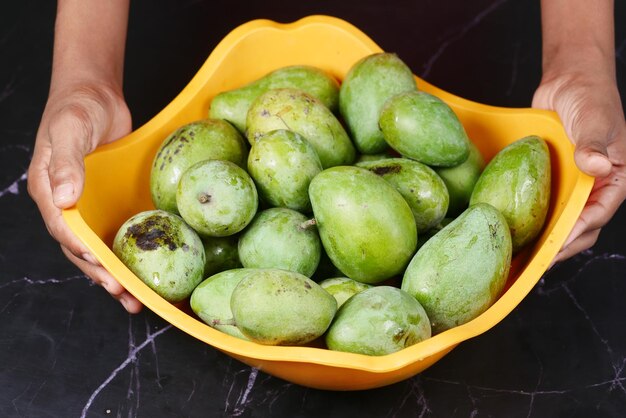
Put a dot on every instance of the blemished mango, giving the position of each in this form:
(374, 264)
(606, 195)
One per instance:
(233, 105)
(517, 182)
(281, 238)
(424, 128)
(366, 226)
(280, 307)
(378, 321)
(302, 113)
(208, 139)
(163, 251)
(210, 300)
(216, 198)
(282, 164)
(461, 179)
(421, 187)
(461, 271)
(370, 82)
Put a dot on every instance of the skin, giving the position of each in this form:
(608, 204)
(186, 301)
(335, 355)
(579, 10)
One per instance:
(86, 108)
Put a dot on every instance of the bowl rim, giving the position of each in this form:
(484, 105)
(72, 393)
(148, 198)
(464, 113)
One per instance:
(375, 364)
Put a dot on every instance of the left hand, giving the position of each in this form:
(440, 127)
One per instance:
(589, 106)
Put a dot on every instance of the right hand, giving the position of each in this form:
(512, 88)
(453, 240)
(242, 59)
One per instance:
(77, 119)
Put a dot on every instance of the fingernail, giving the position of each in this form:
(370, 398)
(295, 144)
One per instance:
(90, 259)
(63, 194)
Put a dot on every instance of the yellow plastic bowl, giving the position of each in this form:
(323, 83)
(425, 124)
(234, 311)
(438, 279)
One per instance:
(117, 187)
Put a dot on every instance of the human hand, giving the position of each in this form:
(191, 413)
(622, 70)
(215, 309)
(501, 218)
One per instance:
(589, 106)
(77, 119)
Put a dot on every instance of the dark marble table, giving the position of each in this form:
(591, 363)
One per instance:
(67, 349)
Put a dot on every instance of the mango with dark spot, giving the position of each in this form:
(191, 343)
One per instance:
(368, 85)
(461, 271)
(233, 105)
(163, 251)
(300, 112)
(280, 307)
(281, 238)
(517, 182)
(196, 141)
(424, 128)
(282, 164)
(366, 226)
(378, 321)
(421, 187)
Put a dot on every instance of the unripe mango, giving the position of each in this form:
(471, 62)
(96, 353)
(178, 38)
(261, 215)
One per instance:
(343, 288)
(461, 271)
(368, 85)
(233, 105)
(302, 113)
(517, 183)
(279, 307)
(366, 226)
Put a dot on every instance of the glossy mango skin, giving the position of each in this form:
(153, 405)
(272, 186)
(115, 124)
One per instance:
(370, 82)
(280, 307)
(302, 113)
(281, 238)
(366, 226)
(378, 321)
(517, 182)
(424, 128)
(200, 140)
(343, 288)
(233, 105)
(461, 179)
(421, 187)
(163, 251)
(461, 271)
(216, 198)
(282, 164)
(220, 254)
(210, 300)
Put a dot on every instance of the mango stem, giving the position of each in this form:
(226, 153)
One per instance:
(308, 224)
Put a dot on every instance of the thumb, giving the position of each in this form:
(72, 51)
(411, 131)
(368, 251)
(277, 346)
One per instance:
(591, 132)
(70, 137)
(591, 158)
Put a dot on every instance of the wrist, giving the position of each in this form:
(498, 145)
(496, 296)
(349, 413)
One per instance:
(578, 61)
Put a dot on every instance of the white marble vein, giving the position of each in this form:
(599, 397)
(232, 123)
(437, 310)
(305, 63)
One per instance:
(515, 61)
(459, 35)
(48, 281)
(243, 400)
(14, 188)
(131, 358)
(413, 390)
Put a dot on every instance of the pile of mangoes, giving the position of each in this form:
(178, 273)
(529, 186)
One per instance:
(359, 212)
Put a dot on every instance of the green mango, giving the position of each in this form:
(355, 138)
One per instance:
(366, 226)
(423, 127)
(343, 288)
(281, 238)
(279, 307)
(162, 251)
(233, 105)
(300, 112)
(425, 236)
(216, 198)
(206, 139)
(362, 158)
(460, 180)
(378, 321)
(421, 187)
(220, 254)
(461, 271)
(282, 164)
(370, 82)
(517, 182)
(210, 300)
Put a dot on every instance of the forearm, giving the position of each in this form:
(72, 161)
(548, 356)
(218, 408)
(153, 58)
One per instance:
(578, 34)
(90, 38)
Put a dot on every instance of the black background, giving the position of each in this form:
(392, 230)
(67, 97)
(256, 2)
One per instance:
(67, 348)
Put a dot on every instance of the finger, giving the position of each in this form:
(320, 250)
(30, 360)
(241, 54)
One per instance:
(70, 134)
(103, 278)
(582, 243)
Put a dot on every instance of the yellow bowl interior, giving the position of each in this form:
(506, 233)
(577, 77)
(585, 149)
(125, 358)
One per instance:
(117, 187)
